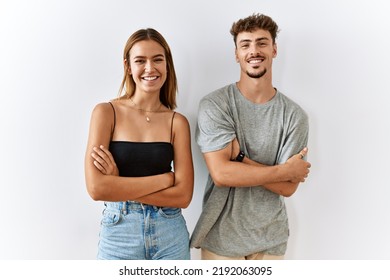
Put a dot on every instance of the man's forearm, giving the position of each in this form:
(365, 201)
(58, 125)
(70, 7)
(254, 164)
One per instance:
(284, 188)
(242, 174)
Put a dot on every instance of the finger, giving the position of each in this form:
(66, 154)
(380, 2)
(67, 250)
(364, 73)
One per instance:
(303, 153)
(108, 153)
(100, 160)
(95, 156)
(100, 167)
(103, 156)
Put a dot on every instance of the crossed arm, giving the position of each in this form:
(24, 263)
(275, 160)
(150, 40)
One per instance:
(282, 179)
(172, 189)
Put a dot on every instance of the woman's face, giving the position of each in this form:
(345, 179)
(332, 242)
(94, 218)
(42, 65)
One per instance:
(148, 66)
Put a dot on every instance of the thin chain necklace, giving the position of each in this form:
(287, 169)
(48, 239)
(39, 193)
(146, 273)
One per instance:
(145, 111)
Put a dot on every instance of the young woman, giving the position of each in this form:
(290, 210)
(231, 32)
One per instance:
(139, 160)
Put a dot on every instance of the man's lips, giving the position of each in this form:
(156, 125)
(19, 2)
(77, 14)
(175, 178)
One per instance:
(255, 60)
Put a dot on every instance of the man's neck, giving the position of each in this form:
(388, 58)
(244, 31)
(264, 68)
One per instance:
(256, 90)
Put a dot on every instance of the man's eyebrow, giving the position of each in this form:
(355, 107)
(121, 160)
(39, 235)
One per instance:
(262, 38)
(256, 40)
(245, 41)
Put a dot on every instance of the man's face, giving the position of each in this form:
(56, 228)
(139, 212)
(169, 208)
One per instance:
(255, 52)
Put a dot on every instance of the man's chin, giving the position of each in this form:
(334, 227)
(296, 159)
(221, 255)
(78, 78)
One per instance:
(256, 75)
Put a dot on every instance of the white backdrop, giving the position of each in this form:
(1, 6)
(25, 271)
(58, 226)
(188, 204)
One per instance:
(60, 58)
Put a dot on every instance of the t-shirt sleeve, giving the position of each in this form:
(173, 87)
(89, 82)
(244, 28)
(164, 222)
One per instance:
(297, 136)
(215, 128)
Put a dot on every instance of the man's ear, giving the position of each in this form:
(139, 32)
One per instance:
(275, 50)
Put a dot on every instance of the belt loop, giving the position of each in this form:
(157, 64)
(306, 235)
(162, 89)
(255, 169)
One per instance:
(124, 207)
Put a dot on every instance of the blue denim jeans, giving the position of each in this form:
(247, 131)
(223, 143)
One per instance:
(135, 231)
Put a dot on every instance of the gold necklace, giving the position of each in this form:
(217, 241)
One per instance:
(145, 111)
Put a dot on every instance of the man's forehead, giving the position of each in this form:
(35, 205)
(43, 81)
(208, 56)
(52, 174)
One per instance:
(254, 35)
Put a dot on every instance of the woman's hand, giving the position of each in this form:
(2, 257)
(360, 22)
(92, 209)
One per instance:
(104, 161)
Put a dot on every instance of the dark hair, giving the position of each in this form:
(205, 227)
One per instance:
(169, 89)
(253, 22)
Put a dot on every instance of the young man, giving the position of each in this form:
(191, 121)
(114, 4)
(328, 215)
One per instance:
(253, 139)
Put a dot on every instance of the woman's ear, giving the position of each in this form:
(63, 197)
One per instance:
(127, 66)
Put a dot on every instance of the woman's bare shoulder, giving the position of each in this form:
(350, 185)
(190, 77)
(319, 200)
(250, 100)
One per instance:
(180, 121)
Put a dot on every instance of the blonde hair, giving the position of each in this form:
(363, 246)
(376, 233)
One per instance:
(169, 88)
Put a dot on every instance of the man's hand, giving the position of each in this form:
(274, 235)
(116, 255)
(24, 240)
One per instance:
(298, 167)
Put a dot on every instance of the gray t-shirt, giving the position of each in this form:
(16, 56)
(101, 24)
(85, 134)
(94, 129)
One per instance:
(242, 221)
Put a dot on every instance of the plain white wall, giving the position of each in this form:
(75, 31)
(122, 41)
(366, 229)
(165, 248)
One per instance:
(60, 58)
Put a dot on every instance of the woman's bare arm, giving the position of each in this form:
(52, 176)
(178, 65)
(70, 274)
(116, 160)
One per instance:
(180, 194)
(109, 187)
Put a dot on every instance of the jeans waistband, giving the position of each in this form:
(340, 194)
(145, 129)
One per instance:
(126, 206)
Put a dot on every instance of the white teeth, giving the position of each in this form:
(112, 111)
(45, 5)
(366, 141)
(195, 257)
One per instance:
(150, 78)
(255, 61)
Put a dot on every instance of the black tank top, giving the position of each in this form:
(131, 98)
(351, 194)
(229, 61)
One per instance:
(137, 159)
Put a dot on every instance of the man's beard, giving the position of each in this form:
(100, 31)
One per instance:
(257, 75)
